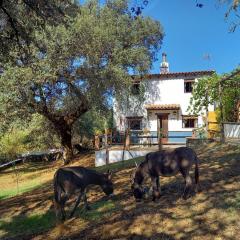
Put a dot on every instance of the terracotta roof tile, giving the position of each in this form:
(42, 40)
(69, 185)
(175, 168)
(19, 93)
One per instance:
(170, 75)
(162, 106)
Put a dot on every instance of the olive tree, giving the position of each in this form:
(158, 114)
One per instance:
(20, 19)
(80, 65)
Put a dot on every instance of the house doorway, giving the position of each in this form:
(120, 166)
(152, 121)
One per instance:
(163, 126)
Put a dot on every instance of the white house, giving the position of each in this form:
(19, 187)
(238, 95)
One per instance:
(167, 97)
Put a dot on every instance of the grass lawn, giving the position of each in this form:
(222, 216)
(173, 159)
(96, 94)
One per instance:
(29, 176)
(212, 214)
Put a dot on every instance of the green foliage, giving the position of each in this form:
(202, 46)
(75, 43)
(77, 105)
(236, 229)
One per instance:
(94, 121)
(20, 19)
(22, 137)
(230, 98)
(206, 91)
(103, 42)
(81, 64)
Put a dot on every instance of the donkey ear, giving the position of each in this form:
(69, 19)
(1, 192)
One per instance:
(136, 165)
(109, 174)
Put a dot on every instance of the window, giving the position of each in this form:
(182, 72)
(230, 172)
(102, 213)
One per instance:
(134, 123)
(190, 121)
(135, 89)
(188, 85)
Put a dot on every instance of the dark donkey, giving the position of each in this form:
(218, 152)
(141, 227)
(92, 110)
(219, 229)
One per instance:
(70, 180)
(165, 163)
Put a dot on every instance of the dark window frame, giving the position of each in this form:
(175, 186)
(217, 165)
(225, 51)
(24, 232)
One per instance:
(188, 85)
(135, 89)
(130, 121)
(189, 122)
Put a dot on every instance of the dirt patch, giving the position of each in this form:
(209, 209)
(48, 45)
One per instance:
(212, 214)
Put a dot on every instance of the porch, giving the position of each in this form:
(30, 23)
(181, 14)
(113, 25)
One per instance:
(140, 138)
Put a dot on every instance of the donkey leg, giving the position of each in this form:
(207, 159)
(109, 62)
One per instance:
(77, 203)
(63, 201)
(156, 188)
(87, 207)
(188, 186)
(158, 184)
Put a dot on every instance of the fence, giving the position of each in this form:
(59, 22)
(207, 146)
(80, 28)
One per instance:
(51, 155)
(232, 130)
(140, 138)
(104, 154)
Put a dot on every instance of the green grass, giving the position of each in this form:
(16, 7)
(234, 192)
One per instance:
(98, 210)
(27, 224)
(231, 203)
(37, 223)
(23, 187)
(32, 184)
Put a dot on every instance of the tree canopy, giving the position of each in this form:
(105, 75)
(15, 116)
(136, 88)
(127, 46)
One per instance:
(207, 91)
(79, 65)
(19, 19)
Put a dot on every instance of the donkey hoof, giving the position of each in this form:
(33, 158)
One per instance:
(88, 208)
(198, 189)
(186, 196)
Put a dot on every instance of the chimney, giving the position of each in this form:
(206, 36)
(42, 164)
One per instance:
(164, 66)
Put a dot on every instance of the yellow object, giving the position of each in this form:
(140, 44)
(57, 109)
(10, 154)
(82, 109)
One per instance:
(213, 126)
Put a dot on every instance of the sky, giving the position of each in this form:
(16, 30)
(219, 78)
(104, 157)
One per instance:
(192, 33)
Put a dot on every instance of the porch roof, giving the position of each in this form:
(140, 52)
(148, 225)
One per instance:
(162, 106)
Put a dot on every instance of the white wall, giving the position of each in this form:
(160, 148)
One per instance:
(116, 156)
(166, 91)
(232, 130)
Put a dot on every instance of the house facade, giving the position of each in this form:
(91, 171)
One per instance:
(164, 108)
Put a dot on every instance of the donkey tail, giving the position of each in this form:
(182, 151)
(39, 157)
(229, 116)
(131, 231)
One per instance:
(196, 171)
(57, 192)
(198, 188)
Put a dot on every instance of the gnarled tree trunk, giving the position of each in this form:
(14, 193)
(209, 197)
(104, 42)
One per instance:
(66, 141)
(62, 121)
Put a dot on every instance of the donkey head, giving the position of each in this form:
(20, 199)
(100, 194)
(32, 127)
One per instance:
(107, 185)
(137, 180)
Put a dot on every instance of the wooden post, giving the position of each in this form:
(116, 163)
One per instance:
(110, 133)
(206, 108)
(193, 133)
(97, 142)
(159, 140)
(128, 140)
(222, 135)
(106, 146)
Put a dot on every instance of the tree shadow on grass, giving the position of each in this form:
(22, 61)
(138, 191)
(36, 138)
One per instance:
(27, 202)
(219, 174)
(25, 226)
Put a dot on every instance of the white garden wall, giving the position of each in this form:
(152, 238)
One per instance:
(232, 130)
(116, 156)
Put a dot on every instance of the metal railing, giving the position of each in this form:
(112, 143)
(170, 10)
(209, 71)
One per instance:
(139, 138)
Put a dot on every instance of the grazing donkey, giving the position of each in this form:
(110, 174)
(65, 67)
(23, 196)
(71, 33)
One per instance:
(165, 163)
(70, 180)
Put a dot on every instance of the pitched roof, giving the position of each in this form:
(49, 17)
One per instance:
(162, 106)
(175, 75)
